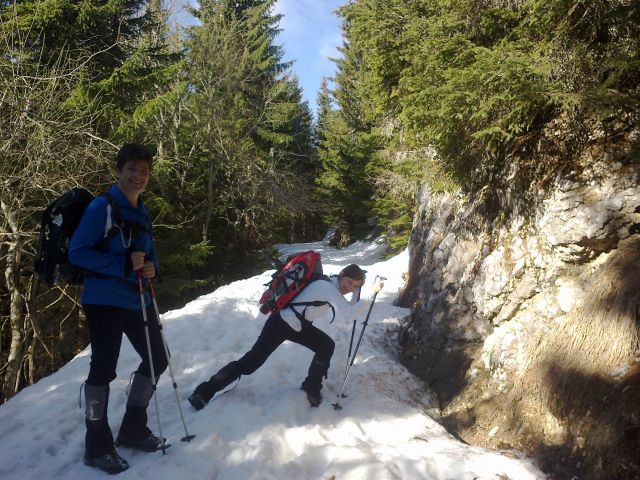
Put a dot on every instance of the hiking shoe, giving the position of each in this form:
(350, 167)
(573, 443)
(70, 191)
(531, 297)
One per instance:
(313, 395)
(109, 462)
(197, 401)
(150, 443)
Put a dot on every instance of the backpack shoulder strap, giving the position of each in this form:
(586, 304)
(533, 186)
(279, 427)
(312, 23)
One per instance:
(314, 303)
(114, 214)
(115, 222)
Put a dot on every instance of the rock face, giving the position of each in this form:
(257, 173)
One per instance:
(496, 275)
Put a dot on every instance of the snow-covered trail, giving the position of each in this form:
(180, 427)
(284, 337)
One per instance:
(263, 428)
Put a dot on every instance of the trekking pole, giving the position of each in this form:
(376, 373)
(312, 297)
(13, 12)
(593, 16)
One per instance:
(353, 333)
(154, 381)
(187, 437)
(337, 406)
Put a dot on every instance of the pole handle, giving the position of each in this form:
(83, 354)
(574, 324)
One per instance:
(139, 275)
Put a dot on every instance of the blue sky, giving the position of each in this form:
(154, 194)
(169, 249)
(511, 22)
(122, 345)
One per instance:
(310, 36)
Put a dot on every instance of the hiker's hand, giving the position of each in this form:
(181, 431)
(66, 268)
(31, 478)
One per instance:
(148, 270)
(137, 260)
(378, 286)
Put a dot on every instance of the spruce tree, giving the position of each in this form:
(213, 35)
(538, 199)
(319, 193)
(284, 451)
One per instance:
(443, 88)
(120, 61)
(244, 134)
(345, 146)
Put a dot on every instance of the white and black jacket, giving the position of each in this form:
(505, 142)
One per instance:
(329, 292)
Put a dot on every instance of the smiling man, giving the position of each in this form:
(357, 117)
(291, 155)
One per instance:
(112, 304)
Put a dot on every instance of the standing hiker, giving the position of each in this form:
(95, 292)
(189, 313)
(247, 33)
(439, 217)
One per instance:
(294, 323)
(112, 304)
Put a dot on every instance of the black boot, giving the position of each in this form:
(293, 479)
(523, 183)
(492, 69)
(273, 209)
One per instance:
(134, 432)
(206, 390)
(99, 450)
(313, 383)
(109, 462)
(312, 388)
(197, 401)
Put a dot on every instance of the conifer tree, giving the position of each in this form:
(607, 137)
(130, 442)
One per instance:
(244, 135)
(148, 82)
(445, 87)
(345, 146)
(88, 27)
(119, 42)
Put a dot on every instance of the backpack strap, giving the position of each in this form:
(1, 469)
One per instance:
(110, 208)
(315, 303)
(42, 251)
(115, 223)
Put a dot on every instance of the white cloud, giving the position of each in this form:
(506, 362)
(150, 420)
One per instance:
(310, 35)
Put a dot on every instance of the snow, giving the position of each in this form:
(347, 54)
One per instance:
(263, 428)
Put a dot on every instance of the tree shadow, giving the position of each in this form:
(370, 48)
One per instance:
(602, 420)
(574, 405)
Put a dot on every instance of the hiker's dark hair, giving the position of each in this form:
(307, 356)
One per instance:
(133, 151)
(352, 271)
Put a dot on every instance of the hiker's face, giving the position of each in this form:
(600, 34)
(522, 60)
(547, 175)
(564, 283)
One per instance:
(348, 284)
(134, 177)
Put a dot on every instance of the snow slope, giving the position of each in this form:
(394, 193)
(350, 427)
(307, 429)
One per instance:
(264, 428)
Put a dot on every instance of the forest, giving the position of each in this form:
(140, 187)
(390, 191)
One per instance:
(435, 92)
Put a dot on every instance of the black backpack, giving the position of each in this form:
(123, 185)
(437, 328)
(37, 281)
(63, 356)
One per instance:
(59, 221)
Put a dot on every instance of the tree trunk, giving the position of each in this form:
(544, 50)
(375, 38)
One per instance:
(209, 214)
(14, 362)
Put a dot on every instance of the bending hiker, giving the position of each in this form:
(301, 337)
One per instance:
(294, 323)
(112, 304)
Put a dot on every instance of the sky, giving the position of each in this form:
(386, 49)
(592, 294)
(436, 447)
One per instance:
(310, 35)
(264, 428)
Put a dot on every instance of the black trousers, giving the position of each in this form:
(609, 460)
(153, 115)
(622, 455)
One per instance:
(106, 326)
(274, 332)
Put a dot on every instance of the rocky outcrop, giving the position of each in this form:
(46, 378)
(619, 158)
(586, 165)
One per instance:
(502, 280)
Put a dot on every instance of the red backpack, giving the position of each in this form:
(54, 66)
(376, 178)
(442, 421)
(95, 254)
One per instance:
(289, 280)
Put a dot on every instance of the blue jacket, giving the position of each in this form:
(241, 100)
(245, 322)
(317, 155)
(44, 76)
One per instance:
(115, 283)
